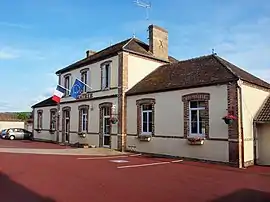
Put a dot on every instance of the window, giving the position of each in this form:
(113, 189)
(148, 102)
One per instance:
(147, 119)
(53, 119)
(84, 78)
(83, 118)
(67, 84)
(105, 75)
(146, 116)
(39, 119)
(196, 110)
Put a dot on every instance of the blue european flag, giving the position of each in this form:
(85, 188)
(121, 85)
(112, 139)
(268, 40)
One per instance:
(77, 89)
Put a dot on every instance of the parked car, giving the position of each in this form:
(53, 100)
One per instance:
(3, 133)
(18, 133)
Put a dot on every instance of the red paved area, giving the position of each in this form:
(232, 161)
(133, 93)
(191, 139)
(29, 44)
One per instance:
(34, 178)
(29, 144)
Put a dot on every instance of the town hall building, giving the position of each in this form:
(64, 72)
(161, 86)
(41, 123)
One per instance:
(141, 99)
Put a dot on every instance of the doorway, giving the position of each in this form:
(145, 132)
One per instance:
(106, 127)
(66, 126)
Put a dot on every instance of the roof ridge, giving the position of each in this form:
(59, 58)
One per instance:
(127, 43)
(227, 67)
(195, 58)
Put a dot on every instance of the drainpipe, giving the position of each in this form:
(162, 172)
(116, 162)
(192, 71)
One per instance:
(241, 123)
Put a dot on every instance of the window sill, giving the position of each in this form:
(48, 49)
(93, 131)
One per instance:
(52, 131)
(144, 137)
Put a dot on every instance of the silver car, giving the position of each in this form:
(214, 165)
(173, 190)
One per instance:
(17, 133)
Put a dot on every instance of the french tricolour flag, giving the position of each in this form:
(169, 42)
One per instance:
(58, 93)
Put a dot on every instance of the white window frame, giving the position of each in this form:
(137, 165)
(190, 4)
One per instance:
(84, 114)
(53, 120)
(106, 74)
(69, 85)
(147, 117)
(198, 109)
(84, 77)
(39, 122)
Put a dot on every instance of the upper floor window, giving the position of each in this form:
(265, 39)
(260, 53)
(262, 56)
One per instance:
(84, 78)
(105, 75)
(67, 84)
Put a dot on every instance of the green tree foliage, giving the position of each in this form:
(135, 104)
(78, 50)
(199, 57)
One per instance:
(23, 115)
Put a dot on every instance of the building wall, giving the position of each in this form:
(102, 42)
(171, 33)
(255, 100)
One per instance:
(44, 134)
(94, 78)
(139, 67)
(92, 138)
(169, 125)
(11, 124)
(263, 143)
(252, 100)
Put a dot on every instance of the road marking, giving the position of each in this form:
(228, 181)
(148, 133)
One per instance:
(136, 155)
(104, 157)
(150, 164)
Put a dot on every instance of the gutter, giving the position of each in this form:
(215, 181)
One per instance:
(241, 124)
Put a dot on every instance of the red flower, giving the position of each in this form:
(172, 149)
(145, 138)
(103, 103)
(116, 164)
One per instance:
(229, 116)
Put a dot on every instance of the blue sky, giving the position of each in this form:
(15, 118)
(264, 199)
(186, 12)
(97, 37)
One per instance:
(39, 37)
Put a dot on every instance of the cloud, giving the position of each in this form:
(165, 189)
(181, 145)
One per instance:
(14, 25)
(8, 54)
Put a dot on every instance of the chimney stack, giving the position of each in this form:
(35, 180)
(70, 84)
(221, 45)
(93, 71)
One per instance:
(89, 53)
(158, 42)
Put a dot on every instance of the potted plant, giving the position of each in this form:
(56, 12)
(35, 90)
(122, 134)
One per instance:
(114, 120)
(82, 135)
(228, 119)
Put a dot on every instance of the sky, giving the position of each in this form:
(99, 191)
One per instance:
(39, 37)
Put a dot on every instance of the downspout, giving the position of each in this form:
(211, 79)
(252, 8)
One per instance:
(241, 124)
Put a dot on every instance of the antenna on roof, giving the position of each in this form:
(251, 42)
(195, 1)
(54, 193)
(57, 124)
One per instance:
(213, 51)
(147, 6)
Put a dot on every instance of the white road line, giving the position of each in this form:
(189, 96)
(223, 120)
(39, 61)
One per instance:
(136, 155)
(176, 161)
(104, 157)
(149, 164)
(143, 165)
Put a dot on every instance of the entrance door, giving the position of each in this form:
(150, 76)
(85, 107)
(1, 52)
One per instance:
(106, 127)
(66, 126)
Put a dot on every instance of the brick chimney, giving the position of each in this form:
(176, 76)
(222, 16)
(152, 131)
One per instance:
(158, 42)
(89, 53)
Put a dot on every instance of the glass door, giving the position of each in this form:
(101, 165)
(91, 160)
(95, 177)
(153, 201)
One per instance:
(106, 127)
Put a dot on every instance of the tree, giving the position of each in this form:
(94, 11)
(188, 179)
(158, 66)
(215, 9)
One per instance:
(24, 116)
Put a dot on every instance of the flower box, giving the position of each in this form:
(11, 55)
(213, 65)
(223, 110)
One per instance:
(195, 140)
(146, 138)
(82, 135)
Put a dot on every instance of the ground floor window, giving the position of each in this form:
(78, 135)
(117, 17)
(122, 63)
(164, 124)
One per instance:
(53, 119)
(146, 115)
(83, 118)
(196, 111)
(39, 119)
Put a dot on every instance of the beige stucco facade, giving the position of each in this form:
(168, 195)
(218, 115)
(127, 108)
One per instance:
(139, 67)
(169, 121)
(252, 100)
(263, 143)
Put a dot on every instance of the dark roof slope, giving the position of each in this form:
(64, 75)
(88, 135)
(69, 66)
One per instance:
(196, 72)
(264, 113)
(130, 45)
(45, 103)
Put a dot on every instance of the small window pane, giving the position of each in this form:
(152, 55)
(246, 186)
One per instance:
(144, 117)
(201, 113)
(194, 115)
(200, 127)
(194, 127)
(150, 127)
(201, 104)
(193, 104)
(150, 117)
(144, 127)
(147, 107)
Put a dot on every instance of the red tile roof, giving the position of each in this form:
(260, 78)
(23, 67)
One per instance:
(264, 113)
(196, 72)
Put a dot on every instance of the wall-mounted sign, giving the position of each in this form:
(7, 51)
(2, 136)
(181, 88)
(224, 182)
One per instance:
(85, 96)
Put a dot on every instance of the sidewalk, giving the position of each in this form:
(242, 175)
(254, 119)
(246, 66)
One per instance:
(77, 151)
